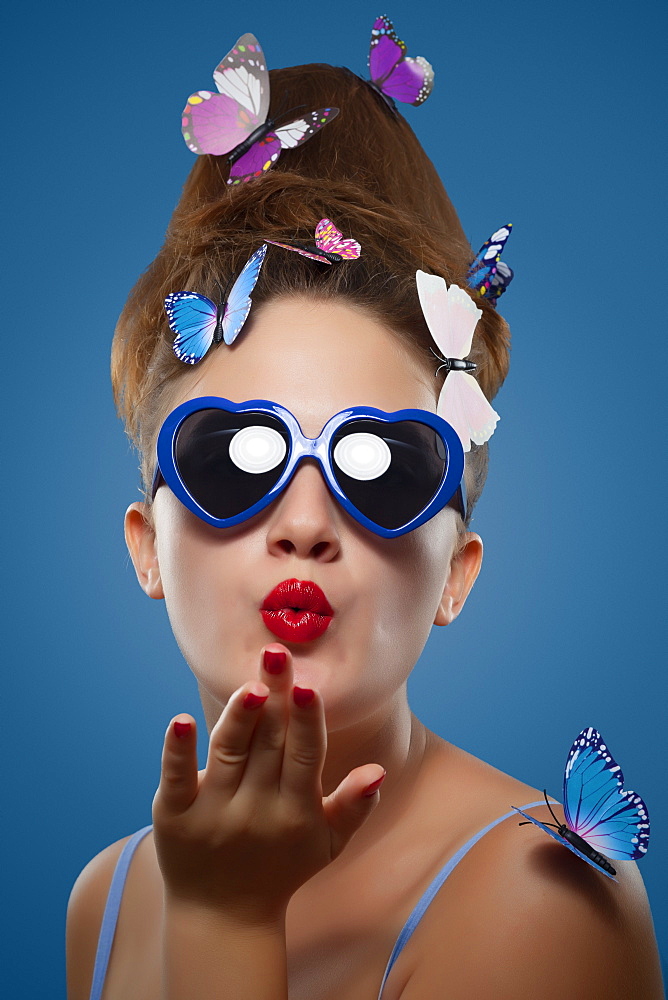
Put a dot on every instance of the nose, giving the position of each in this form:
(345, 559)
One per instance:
(304, 521)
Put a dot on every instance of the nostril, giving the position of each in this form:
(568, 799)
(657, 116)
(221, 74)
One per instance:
(320, 548)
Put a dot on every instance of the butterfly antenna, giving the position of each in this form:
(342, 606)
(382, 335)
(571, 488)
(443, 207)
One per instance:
(290, 111)
(223, 291)
(438, 358)
(550, 808)
(526, 822)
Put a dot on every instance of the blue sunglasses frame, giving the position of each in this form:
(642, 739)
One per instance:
(451, 485)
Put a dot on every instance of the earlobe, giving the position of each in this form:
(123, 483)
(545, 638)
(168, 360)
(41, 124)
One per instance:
(141, 543)
(464, 569)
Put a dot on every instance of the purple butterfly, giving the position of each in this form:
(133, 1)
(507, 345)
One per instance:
(234, 121)
(395, 75)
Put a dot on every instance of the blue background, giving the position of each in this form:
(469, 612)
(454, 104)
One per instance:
(545, 115)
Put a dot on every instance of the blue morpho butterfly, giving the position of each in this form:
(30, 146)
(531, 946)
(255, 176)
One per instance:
(198, 322)
(602, 818)
(488, 274)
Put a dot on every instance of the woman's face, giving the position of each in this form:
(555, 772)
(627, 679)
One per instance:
(315, 359)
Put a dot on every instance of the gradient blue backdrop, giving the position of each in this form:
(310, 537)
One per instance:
(543, 114)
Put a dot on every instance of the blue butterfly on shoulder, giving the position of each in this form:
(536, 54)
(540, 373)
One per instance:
(198, 322)
(603, 820)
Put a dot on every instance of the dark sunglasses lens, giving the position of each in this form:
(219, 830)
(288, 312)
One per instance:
(389, 471)
(229, 461)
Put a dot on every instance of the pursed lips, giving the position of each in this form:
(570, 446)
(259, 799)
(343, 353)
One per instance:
(296, 611)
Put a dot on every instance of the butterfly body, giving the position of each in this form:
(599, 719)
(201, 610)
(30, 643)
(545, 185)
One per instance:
(603, 819)
(234, 122)
(257, 135)
(577, 841)
(458, 365)
(316, 252)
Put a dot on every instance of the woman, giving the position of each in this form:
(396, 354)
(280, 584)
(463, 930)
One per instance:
(291, 863)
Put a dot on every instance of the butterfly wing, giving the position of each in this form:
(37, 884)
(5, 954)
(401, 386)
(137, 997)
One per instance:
(238, 303)
(489, 253)
(300, 250)
(242, 76)
(611, 819)
(385, 51)
(329, 238)
(192, 318)
(450, 314)
(214, 123)
(400, 77)
(465, 407)
(562, 840)
(296, 132)
(259, 158)
(494, 285)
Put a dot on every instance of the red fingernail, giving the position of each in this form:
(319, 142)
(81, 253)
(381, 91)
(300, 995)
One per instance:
(374, 786)
(254, 700)
(302, 696)
(182, 729)
(274, 663)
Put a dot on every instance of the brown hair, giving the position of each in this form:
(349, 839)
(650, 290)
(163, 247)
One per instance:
(367, 171)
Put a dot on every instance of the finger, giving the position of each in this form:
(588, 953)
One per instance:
(178, 776)
(352, 803)
(305, 746)
(230, 740)
(264, 765)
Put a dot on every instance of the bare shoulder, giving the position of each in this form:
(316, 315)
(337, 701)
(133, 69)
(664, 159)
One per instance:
(84, 917)
(524, 917)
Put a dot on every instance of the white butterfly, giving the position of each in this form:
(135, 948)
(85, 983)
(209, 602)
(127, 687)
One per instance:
(452, 316)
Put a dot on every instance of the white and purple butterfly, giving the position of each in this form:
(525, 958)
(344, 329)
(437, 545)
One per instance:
(330, 246)
(452, 316)
(602, 817)
(234, 121)
(396, 76)
(488, 274)
(198, 322)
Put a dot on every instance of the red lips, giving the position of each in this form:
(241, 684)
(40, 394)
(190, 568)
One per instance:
(296, 611)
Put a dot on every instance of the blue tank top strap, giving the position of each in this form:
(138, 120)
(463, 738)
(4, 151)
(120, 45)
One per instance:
(108, 928)
(428, 895)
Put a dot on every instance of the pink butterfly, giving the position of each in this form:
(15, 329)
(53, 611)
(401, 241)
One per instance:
(235, 122)
(330, 246)
(452, 316)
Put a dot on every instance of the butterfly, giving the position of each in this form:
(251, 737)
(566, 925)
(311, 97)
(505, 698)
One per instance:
(451, 316)
(488, 274)
(601, 816)
(198, 322)
(330, 247)
(395, 75)
(234, 121)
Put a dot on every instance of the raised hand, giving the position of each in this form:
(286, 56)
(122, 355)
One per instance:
(245, 833)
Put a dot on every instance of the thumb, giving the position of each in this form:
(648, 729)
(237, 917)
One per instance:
(351, 803)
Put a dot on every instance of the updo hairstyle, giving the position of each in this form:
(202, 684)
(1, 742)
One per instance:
(366, 171)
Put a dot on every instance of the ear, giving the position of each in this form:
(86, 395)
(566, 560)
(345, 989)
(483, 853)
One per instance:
(141, 543)
(464, 569)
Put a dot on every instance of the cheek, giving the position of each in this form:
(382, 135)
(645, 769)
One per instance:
(413, 577)
(199, 592)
